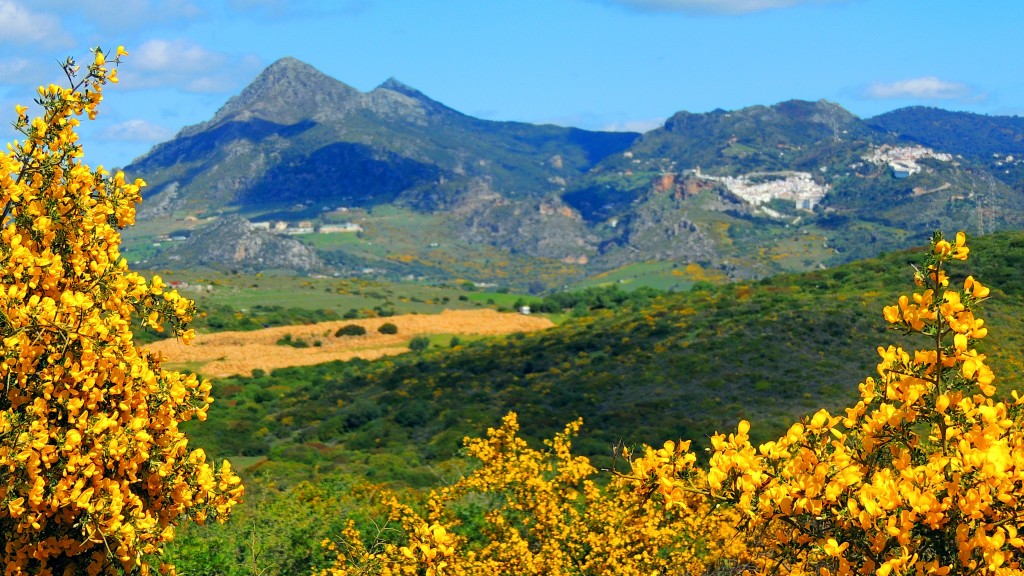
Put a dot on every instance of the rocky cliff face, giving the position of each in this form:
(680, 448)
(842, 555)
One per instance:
(233, 242)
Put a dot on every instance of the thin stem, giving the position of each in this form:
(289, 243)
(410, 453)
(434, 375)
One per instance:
(939, 387)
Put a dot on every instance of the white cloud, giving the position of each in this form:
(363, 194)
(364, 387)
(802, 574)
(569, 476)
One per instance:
(18, 73)
(584, 121)
(634, 126)
(212, 84)
(13, 69)
(174, 55)
(136, 131)
(186, 65)
(20, 25)
(127, 14)
(715, 6)
(925, 87)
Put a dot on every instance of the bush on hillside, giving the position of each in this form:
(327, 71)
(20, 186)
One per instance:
(350, 330)
(419, 343)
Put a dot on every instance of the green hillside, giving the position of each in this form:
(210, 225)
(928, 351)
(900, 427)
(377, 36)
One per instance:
(317, 443)
(996, 142)
(679, 365)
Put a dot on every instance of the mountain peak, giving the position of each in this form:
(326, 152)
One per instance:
(393, 86)
(286, 63)
(793, 122)
(289, 91)
(807, 109)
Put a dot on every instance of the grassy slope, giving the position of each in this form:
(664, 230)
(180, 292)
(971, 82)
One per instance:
(684, 365)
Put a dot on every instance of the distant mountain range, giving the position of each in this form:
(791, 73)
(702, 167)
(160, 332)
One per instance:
(750, 192)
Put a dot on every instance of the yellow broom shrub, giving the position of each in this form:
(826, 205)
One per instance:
(924, 475)
(541, 512)
(94, 472)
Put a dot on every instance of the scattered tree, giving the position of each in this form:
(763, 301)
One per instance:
(419, 343)
(350, 330)
(289, 340)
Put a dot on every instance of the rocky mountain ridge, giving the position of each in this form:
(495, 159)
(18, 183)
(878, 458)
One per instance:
(749, 192)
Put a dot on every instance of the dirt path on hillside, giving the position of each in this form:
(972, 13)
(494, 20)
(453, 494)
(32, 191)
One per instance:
(229, 353)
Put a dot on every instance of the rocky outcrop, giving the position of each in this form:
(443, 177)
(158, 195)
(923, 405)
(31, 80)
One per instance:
(233, 242)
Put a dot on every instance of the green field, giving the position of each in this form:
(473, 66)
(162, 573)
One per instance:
(333, 241)
(246, 291)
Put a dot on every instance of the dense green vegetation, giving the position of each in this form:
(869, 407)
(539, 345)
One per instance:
(350, 330)
(276, 531)
(221, 317)
(677, 365)
(997, 142)
(315, 440)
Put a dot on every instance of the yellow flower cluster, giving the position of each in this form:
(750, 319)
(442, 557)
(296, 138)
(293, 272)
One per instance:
(542, 513)
(94, 472)
(925, 475)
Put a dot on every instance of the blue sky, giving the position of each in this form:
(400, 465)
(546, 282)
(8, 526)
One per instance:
(597, 64)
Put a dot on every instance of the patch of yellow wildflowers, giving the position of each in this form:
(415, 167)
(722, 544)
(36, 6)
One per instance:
(544, 514)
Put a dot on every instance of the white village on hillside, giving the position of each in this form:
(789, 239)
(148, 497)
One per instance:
(761, 187)
(904, 159)
(306, 227)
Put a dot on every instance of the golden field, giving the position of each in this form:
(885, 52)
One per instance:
(229, 353)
